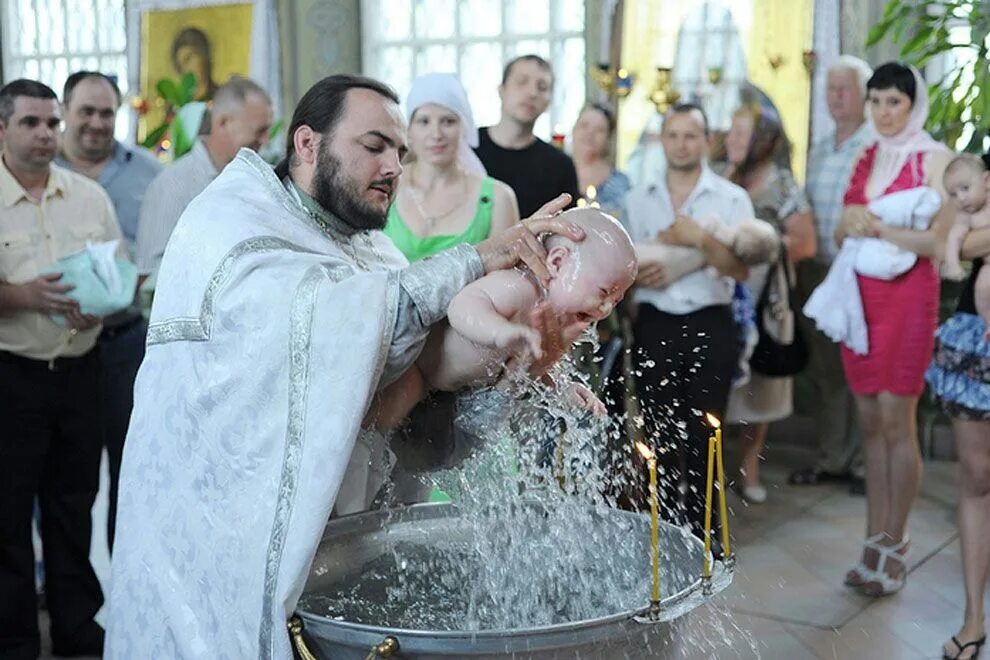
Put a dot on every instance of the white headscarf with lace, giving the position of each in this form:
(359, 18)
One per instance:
(894, 151)
(446, 90)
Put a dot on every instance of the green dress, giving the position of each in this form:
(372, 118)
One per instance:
(417, 247)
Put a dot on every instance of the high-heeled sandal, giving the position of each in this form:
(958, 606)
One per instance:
(976, 645)
(889, 585)
(864, 572)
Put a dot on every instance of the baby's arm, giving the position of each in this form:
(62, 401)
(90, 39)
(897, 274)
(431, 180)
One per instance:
(483, 311)
(953, 244)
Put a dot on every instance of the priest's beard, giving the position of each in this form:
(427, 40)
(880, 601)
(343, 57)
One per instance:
(341, 195)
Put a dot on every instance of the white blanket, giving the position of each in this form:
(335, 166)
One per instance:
(836, 306)
(908, 209)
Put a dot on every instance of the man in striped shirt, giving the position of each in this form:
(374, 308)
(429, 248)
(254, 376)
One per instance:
(829, 168)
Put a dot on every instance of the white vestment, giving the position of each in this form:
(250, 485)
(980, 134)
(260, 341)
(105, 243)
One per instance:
(269, 335)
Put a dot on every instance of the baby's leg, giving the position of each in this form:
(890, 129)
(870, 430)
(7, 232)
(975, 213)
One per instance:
(953, 269)
(981, 295)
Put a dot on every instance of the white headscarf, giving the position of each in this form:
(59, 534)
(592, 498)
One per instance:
(894, 151)
(446, 90)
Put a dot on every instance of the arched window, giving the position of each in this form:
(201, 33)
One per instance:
(402, 39)
(710, 63)
(46, 40)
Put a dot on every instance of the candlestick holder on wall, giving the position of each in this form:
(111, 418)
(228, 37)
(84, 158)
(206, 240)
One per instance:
(810, 60)
(664, 95)
(612, 80)
(776, 61)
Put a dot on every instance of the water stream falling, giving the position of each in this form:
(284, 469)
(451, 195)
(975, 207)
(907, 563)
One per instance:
(536, 540)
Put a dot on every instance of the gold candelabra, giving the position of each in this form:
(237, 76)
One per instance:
(664, 95)
(612, 80)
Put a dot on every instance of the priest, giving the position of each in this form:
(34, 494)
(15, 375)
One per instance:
(282, 313)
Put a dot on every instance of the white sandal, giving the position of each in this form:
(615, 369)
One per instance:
(888, 585)
(865, 573)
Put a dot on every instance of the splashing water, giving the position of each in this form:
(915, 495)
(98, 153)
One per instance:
(536, 540)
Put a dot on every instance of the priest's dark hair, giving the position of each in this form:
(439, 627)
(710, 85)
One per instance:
(894, 75)
(321, 108)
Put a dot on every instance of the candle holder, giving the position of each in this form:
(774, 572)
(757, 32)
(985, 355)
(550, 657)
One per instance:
(611, 80)
(715, 463)
(810, 60)
(651, 463)
(664, 95)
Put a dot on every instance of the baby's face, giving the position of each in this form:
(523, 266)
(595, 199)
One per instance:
(967, 188)
(588, 291)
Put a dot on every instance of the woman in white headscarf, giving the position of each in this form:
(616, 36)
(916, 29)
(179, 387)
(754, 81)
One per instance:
(445, 197)
(901, 317)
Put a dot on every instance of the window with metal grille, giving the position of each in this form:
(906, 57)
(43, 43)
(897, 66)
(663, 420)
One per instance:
(402, 39)
(47, 40)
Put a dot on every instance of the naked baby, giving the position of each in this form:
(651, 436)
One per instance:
(968, 184)
(488, 319)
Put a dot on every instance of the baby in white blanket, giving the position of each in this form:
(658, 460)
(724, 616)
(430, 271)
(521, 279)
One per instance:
(967, 182)
(752, 241)
(835, 306)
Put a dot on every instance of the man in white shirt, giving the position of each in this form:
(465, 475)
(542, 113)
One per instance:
(830, 165)
(241, 117)
(686, 339)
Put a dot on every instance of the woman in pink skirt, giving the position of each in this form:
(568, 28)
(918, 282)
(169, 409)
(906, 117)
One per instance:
(901, 317)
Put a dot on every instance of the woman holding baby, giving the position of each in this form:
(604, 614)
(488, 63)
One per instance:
(900, 314)
(754, 140)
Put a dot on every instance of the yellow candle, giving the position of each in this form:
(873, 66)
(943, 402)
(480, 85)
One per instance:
(651, 463)
(707, 568)
(723, 514)
(654, 528)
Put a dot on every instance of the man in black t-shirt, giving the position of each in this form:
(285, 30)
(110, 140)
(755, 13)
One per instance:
(535, 170)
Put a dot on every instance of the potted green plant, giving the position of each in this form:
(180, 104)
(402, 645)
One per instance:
(924, 31)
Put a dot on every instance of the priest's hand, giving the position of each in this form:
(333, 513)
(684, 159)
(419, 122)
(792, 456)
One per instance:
(521, 242)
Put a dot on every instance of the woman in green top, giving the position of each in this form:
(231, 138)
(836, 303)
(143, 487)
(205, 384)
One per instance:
(444, 196)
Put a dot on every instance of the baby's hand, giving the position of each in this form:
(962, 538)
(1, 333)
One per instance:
(517, 335)
(585, 399)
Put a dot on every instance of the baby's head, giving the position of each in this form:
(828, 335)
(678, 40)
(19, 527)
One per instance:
(588, 278)
(966, 180)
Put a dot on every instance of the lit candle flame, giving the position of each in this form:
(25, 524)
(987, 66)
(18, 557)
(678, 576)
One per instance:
(591, 193)
(558, 129)
(644, 450)
(713, 420)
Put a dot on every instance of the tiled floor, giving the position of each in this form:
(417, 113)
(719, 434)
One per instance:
(793, 552)
(787, 599)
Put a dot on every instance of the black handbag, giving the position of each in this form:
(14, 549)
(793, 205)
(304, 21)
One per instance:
(781, 349)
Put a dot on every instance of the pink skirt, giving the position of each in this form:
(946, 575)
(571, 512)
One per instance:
(901, 318)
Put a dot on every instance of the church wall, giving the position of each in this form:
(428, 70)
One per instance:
(319, 38)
